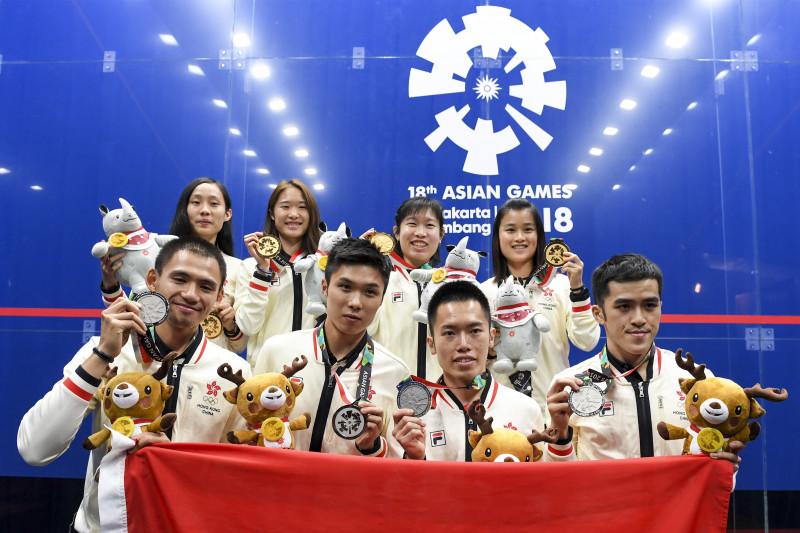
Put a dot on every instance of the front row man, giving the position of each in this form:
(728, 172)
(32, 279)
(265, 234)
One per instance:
(461, 335)
(345, 366)
(644, 378)
(190, 273)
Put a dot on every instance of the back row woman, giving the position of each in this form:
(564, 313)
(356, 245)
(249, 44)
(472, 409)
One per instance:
(269, 294)
(518, 243)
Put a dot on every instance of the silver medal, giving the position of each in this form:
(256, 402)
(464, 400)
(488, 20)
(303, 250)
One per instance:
(415, 396)
(154, 308)
(587, 400)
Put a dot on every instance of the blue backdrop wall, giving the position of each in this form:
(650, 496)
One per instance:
(665, 128)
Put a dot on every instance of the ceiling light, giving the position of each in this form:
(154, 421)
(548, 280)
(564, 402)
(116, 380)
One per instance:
(311, 171)
(697, 288)
(722, 74)
(273, 185)
(220, 103)
(4, 171)
(610, 130)
(691, 106)
(615, 187)
(166, 38)
(276, 104)
(677, 40)
(235, 131)
(754, 39)
(262, 171)
(633, 167)
(290, 131)
(249, 153)
(241, 40)
(36, 187)
(650, 71)
(302, 152)
(627, 104)
(318, 187)
(260, 71)
(667, 131)
(596, 151)
(194, 69)
(648, 151)
(583, 168)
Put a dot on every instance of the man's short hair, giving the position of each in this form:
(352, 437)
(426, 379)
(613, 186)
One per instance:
(195, 245)
(624, 268)
(357, 252)
(455, 292)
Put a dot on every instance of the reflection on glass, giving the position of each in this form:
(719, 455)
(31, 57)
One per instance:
(627, 104)
(194, 69)
(168, 39)
(667, 131)
(583, 168)
(677, 39)
(249, 153)
(290, 131)
(722, 74)
(615, 187)
(691, 106)
(650, 71)
(311, 171)
(318, 187)
(260, 70)
(36, 187)
(262, 170)
(4, 171)
(596, 151)
(241, 40)
(648, 151)
(754, 39)
(301, 152)
(235, 131)
(277, 104)
(610, 130)
(220, 103)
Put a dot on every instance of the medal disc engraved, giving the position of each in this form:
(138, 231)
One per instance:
(273, 429)
(554, 253)
(439, 275)
(348, 422)
(383, 242)
(212, 326)
(587, 400)
(322, 262)
(268, 246)
(415, 396)
(710, 440)
(118, 240)
(154, 308)
(124, 425)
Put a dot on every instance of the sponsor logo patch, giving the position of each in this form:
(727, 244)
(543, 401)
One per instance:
(607, 409)
(437, 438)
(397, 297)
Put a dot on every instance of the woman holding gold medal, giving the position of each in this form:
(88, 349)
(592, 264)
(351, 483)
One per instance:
(203, 210)
(270, 298)
(418, 231)
(519, 249)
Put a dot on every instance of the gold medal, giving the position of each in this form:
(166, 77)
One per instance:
(322, 262)
(124, 425)
(273, 429)
(710, 440)
(439, 275)
(268, 246)
(118, 240)
(554, 252)
(383, 242)
(212, 326)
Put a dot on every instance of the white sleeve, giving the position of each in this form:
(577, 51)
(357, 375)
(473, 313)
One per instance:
(49, 427)
(251, 299)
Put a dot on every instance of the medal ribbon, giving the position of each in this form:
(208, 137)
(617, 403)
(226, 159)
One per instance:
(605, 364)
(364, 376)
(477, 383)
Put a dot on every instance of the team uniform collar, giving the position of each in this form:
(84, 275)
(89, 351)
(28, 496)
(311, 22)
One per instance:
(326, 357)
(619, 367)
(448, 398)
(191, 354)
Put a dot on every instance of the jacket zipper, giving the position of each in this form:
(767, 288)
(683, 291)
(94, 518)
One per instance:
(422, 338)
(171, 405)
(645, 420)
(323, 409)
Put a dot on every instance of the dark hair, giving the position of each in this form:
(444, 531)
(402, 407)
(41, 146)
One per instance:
(499, 263)
(182, 226)
(624, 268)
(313, 232)
(195, 245)
(455, 292)
(351, 251)
(412, 206)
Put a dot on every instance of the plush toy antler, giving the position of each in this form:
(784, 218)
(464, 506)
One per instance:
(225, 371)
(699, 371)
(771, 394)
(297, 365)
(503, 444)
(477, 412)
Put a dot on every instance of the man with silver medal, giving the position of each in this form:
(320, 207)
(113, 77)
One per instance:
(434, 425)
(349, 381)
(612, 401)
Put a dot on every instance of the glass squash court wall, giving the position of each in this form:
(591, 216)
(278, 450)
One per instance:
(665, 128)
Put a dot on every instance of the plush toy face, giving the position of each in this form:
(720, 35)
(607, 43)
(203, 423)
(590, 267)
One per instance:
(719, 403)
(135, 394)
(510, 293)
(122, 220)
(330, 238)
(265, 396)
(502, 445)
(463, 258)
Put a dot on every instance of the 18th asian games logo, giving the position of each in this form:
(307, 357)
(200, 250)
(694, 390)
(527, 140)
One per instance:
(492, 29)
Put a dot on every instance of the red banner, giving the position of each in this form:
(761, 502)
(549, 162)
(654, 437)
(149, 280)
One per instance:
(223, 487)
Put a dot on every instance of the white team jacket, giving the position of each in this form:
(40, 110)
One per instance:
(614, 432)
(49, 427)
(447, 424)
(387, 372)
(236, 344)
(570, 321)
(393, 326)
(266, 309)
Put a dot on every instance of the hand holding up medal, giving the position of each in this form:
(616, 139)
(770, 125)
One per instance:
(116, 324)
(409, 432)
(558, 254)
(558, 403)
(258, 245)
